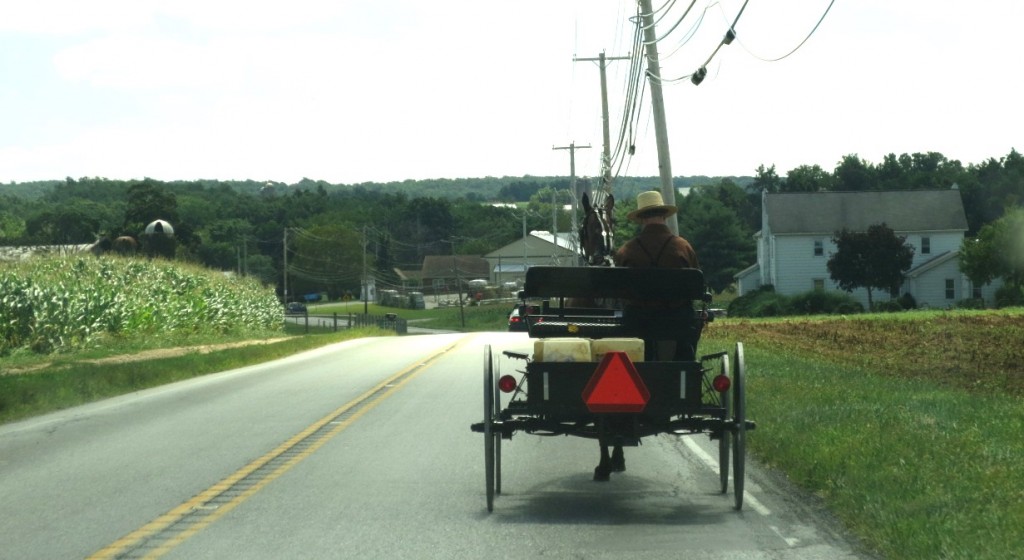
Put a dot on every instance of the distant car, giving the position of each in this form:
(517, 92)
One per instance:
(295, 308)
(515, 322)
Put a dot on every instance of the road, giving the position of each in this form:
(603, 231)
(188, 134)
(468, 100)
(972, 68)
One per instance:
(363, 450)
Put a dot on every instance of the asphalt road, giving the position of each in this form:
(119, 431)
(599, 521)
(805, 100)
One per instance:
(363, 450)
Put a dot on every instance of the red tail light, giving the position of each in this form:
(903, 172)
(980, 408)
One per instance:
(721, 383)
(507, 383)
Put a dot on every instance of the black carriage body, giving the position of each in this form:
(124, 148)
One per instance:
(556, 389)
(550, 397)
(681, 400)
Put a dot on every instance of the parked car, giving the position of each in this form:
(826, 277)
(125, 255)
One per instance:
(295, 308)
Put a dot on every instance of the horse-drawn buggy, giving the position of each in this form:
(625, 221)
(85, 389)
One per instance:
(594, 374)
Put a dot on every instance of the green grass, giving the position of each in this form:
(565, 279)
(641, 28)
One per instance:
(917, 468)
(74, 380)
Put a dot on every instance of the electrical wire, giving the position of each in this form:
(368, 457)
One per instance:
(796, 48)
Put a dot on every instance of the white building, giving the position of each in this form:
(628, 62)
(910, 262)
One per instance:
(509, 263)
(795, 242)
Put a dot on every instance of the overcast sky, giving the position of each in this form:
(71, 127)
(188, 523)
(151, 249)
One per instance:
(352, 91)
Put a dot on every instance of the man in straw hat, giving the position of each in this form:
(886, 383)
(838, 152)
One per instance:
(669, 328)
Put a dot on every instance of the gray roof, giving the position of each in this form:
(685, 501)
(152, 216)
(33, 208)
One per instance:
(901, 211)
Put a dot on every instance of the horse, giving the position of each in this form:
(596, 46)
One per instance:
(596, 231)
(597, 242)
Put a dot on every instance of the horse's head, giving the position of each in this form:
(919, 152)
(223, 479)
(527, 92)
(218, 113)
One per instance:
(596, 230)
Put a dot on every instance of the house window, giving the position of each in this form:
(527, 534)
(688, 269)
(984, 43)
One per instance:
(976, 292)
(819, 284)
(926, 245)
(950, 289)
(819, 248)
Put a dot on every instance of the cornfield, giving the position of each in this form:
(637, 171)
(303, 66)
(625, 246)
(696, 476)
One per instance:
(54, 304)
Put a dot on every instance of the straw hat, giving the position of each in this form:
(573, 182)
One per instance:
(647, 201)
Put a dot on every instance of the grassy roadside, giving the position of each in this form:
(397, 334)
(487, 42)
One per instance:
(71, 380)
(918, 465)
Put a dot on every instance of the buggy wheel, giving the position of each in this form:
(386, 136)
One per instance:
(739, 434)
(489, 426)
(723, 440)
(496, 436)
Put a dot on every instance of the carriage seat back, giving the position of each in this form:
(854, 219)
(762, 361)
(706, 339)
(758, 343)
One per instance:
(635, 284)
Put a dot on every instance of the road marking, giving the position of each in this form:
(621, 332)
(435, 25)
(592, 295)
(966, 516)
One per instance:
(712, 463)
(167, 531)
(791, 541)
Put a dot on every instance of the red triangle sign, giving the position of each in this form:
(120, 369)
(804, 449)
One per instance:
(616, 386)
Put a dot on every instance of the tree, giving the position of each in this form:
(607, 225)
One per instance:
(997, 252)
(876, 258)
(724, 247)
(808, 178)
(73, 221)
(854, 174)
(148, 201)
(767, 180)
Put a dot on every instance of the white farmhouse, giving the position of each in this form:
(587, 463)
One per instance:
(795, 242)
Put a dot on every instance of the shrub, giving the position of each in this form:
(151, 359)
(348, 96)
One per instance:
(971, 303)
(908, 301)
(820, 302)
(764, 302)
(1009, 296)
(889, 306)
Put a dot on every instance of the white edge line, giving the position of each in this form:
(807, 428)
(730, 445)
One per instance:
(712, 464)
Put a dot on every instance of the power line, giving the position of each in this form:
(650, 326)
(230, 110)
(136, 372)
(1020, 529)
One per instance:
(796, 48)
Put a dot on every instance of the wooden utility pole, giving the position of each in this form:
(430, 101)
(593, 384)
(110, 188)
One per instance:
(366, 278)
(606, 156)
(668, 191)
(572, 147)
(285, 267)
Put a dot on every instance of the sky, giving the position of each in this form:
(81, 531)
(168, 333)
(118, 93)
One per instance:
(349, 91)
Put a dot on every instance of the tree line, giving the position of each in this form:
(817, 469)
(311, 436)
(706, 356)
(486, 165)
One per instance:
(331, 234)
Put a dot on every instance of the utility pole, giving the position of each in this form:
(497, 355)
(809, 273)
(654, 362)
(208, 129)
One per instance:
(366, 281)
(668, 192)
(285, 268)
(458, 284)
(572, 147)
(524, 246)
(606, 156)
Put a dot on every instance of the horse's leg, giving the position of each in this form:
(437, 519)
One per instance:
(603, 470)
(618, 461)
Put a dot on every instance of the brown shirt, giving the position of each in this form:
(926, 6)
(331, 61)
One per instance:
(657, 247)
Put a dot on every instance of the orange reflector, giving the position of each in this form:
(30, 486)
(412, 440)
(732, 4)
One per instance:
(616, 386)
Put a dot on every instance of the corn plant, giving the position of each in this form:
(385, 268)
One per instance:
(56, 303)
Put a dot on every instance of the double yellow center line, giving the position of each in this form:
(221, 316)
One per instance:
(162, 534)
